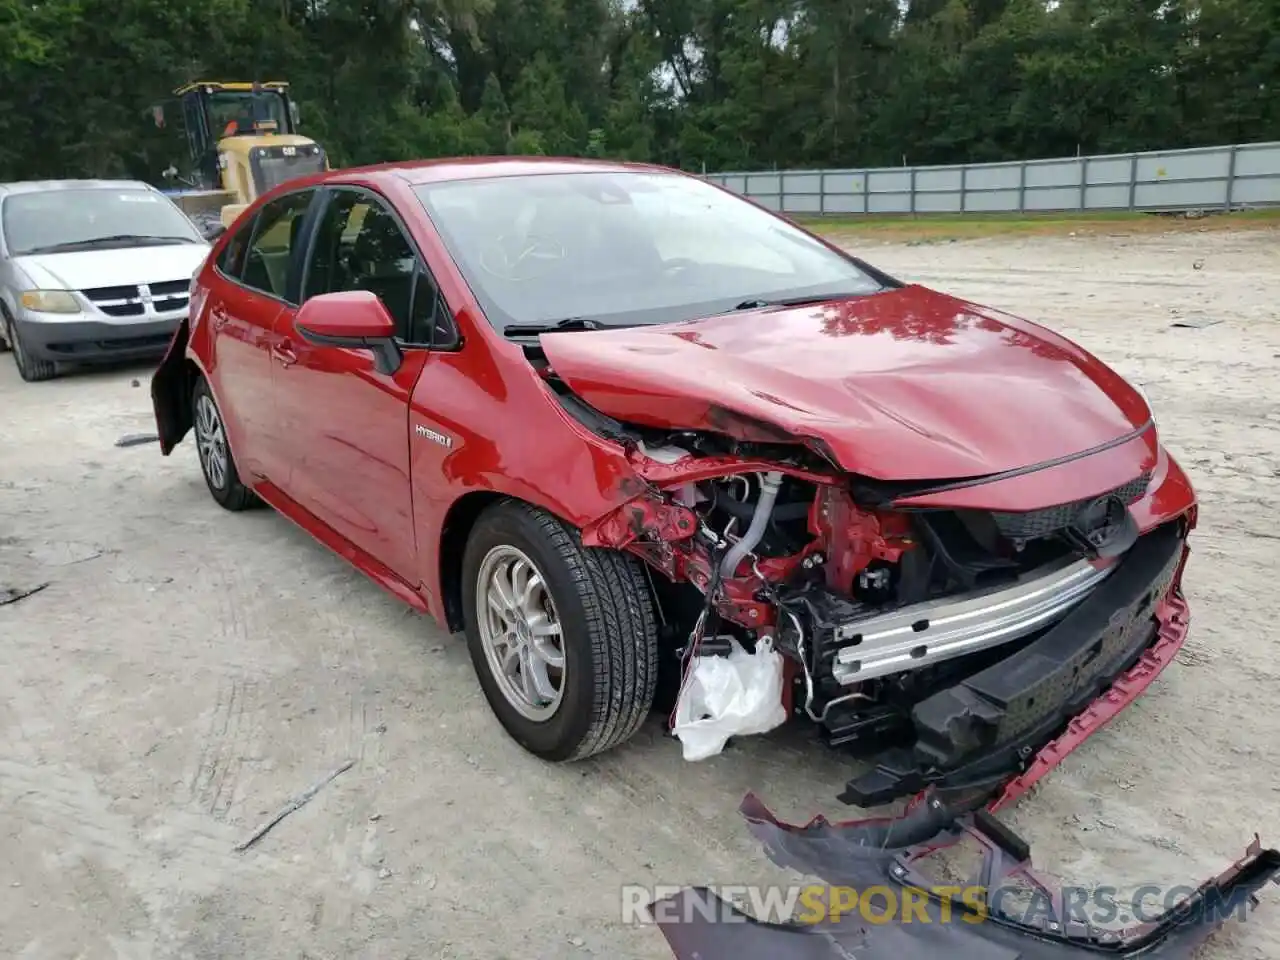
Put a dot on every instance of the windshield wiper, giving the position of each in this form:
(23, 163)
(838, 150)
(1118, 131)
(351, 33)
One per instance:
(556, 326)
(114, 238)
(757, 303)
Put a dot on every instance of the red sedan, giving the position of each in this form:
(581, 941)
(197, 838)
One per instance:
(611, 420)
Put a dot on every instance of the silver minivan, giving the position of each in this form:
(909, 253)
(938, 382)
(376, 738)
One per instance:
(91, 271)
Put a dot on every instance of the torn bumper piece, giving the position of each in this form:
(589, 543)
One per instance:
(886, 855)
(981, 732)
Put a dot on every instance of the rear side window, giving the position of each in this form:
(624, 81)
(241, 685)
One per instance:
(276, 235)
(231, 260)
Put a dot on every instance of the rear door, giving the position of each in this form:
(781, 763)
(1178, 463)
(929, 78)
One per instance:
(347, 425)
(246, 299)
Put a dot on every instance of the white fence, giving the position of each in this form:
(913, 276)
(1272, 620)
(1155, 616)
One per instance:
(1228, 177)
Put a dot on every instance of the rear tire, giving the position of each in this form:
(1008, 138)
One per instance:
(590, 608)
(30, 368)
(214, 450)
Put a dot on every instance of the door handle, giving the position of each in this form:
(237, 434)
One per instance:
(283, 351)
(218, 316)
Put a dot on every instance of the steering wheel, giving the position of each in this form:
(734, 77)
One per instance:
(518, 259)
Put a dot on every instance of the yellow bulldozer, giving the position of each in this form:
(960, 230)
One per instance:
(243, 141)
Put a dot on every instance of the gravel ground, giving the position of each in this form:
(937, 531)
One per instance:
(188, 670)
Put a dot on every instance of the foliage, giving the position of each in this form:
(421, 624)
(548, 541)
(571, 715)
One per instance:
(702, 84)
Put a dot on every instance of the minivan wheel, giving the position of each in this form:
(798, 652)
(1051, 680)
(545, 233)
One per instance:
(30, 368)
(563, 637)
(216, 461)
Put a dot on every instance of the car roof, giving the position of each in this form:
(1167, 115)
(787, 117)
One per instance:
(41, 186)
(418, 172)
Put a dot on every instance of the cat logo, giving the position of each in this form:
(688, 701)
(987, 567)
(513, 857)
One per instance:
(440, 438)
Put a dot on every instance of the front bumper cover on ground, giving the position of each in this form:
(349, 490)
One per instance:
(887, 854)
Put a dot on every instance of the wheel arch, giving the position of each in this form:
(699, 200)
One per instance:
(455, 530)
(459, 521)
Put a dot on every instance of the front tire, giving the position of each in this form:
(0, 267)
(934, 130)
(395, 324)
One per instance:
(30, 368)
(563, 637)
(216, 461)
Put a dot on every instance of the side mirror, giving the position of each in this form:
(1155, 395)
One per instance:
(211, 230)
(355, 319)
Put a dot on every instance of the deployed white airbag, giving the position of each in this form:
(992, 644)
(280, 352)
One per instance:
(727, 697)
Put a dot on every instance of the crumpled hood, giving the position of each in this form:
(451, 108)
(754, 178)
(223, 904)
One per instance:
(908, 384)
(128, 266)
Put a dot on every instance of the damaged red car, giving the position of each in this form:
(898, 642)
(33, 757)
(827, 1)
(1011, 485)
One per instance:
(610, 419)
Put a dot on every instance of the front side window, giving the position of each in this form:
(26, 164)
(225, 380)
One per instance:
(65, 221)
(359, 245)
(622, 247)
(275, 238)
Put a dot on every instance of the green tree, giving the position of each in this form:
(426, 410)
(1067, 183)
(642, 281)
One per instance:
(712, 84)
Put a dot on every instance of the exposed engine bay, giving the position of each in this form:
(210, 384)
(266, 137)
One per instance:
(885, 613)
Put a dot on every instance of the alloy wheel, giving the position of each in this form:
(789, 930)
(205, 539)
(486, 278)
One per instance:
(520, 632)
(211, 441)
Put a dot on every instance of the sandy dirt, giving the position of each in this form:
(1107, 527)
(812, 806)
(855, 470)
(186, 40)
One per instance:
(187, 671)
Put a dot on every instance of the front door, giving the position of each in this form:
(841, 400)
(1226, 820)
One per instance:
(347, 424)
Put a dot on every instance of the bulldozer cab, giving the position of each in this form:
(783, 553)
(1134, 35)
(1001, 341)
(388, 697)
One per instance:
(243, 139)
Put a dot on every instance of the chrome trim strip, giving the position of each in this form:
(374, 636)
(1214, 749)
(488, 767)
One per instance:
(926, 633)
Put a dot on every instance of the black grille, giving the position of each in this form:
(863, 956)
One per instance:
(168, 296)
(116, 301)
(1041, 523)
(121, 309)
(111, 293)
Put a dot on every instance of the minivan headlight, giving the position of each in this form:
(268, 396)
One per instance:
(50, 301)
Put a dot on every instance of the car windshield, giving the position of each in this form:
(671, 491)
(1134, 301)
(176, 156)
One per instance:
(619, 248)
(51, 221)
